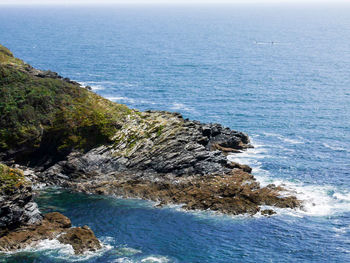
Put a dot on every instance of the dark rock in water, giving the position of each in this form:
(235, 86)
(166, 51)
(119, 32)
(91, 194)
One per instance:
(81, 238)
(162, 157)
(58, 219)
(22, 224)
(54, 225)
(236, 192)
(268, 212)
(244, 167)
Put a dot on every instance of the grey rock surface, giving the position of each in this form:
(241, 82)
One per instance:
(153, 145)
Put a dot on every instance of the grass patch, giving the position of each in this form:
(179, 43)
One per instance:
(10, 179)
(52, 114)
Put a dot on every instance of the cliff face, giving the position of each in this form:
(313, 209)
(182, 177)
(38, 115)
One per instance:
(43, 114)
(22, 224)
(17, 207)
(75, 138)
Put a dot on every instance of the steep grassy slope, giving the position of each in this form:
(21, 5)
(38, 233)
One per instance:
(40, 110)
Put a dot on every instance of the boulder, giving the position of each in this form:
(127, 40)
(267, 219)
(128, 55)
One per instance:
(54, 225)
(81, 238)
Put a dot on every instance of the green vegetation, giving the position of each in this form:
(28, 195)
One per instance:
(7, 57)
(159, 130)
(50, 113)
(10, 178)
(45, 116)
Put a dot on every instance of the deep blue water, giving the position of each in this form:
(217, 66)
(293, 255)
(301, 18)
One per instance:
(279, 73)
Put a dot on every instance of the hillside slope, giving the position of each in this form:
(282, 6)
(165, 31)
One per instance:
(73, 137)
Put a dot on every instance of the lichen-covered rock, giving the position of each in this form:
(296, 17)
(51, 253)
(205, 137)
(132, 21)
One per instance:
(154, 144)
(52, 225)
(73, 137)
(16, 200)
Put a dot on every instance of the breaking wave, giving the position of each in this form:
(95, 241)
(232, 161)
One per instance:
(318, 200)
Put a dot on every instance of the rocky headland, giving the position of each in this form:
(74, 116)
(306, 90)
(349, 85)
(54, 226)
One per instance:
(63, 134)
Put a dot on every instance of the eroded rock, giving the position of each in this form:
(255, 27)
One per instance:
(81, 238)
(22, 224)
(236, 192)
(54, 225)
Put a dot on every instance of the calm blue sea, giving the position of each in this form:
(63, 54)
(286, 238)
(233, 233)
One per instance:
(280, 73)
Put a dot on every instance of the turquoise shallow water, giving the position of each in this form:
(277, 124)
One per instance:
(218, 64)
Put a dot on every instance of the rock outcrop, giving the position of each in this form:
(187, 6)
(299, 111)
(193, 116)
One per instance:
(235, 192)
(81, 239)
(153, 144)
(17, 207)
(53, 226)
(74, 138)
(22, 224)
(162, 157)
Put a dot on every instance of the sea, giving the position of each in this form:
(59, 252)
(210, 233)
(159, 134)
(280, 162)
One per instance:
(280, 73)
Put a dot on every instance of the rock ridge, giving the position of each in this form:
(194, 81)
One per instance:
(69, 136)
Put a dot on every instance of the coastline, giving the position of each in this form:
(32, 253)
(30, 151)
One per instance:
(96, 146)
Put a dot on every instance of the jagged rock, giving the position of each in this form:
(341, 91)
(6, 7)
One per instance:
(155, 143)
(83, 141)
(236, 192)
(54, 225)
(22, 224)
(268, 212)
(81, 238)
(16, 200)
(244, 167)
(164, 158)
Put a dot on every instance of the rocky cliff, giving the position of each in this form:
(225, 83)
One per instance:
(22, 224)
(17, 207)
(72, 137)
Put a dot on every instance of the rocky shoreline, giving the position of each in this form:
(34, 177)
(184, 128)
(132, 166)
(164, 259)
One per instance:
(23, 225)
(79, 140)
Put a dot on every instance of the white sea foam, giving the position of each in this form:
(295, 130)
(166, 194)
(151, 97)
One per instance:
(209, 214)
(147, 259)
(97, 87)
(53, 248)
(342, 230)
(124, 260)
(180, 106)
(317, 200)
(94, 85)
(335, 148)
(284, 139)
(127, 251)
(155, 259)
(48, 245)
